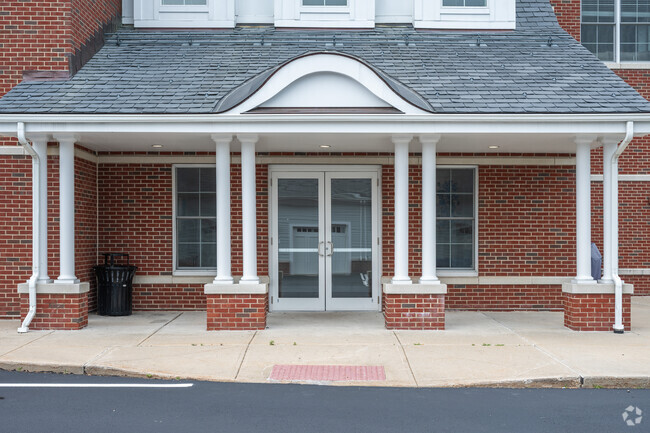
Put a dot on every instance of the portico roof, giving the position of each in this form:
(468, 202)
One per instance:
(537, 68)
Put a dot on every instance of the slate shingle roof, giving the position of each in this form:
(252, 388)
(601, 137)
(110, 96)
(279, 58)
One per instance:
(537, 68)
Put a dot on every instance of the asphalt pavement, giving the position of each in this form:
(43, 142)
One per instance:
(46, 402)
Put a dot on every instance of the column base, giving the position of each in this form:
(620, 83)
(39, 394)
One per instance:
(591, 307)
(236, 307)
(414, 306)
(58, 306)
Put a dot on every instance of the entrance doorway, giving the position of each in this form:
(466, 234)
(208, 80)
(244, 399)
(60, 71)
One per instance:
(324, 238)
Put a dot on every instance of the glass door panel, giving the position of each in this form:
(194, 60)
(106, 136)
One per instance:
(300, 242)
(351, 232)
(350, 218)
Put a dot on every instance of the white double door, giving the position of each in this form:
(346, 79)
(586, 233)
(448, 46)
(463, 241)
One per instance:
(324, 247)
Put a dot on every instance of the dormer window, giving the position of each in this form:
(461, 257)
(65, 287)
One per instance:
(184, 2)
(464, 3)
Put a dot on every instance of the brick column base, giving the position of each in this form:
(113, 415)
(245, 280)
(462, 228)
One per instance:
(236, 312)
(57, 310)
(414, 311)
(594, 311)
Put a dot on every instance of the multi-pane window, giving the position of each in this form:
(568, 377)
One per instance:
(184, 2)
(635, 29)
(464, 3)
(598, 29)
(324, 2)
(455, 222)
(196, 222)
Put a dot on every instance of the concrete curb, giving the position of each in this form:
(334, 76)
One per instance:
(632, 382)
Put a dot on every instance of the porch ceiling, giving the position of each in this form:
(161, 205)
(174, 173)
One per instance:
(302, 142)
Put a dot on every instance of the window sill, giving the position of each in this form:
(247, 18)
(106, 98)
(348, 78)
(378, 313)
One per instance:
(464, 11)
(459, 273)
(628, 65)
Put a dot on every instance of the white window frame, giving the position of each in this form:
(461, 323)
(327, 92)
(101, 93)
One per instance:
(325, 9)
(183, 8)
(617, 63)
(470, 10)
(468, 272)
(185, 272)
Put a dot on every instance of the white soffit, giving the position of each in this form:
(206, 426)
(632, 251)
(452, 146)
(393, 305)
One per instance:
(326, 66)
(325, 89)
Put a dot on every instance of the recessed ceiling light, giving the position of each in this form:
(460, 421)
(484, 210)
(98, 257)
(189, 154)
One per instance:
(157, 146)
(493, 147)
(325, 146)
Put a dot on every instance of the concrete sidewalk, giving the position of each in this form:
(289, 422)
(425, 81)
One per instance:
(478, 348)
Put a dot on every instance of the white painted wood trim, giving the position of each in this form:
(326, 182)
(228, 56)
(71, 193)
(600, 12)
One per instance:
(329, 159)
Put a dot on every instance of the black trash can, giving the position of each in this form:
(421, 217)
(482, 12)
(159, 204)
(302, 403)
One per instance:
(114, 286)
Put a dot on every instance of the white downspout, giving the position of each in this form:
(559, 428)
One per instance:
(618, 283)
(36, 162)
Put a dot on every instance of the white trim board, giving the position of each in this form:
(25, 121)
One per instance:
(624, 177)
(335, 159)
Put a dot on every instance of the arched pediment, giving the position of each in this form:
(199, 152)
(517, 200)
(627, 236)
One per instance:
(323, 82)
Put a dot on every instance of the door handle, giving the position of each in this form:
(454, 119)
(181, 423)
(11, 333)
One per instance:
(331, 248)
(320, 244)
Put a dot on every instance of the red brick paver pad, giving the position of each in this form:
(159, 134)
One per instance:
(328, 373)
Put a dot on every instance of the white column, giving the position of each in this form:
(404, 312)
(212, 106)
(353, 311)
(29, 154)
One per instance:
(224, 272)
(429, 209)
(608, 210)
(40, 146)
(249, 208)
(583, 209)
(401, 213)
(66, 209)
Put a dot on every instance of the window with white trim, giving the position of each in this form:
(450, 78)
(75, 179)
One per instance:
(184, 2)
(195, 218)
(465, 3)
(456, 218)
(599, 29)
(324, 2)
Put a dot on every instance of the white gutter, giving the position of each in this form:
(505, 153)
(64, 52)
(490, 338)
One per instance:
(618, 283)
(36, 162)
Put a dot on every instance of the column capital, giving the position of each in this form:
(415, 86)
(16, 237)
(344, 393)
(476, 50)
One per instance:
(39, 137)
(401, 138)
(585, 139)
(66, 138)
(429, 138)
(248, 138)
(221, 138)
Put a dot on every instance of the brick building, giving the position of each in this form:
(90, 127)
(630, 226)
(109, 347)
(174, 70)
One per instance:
(290, 150)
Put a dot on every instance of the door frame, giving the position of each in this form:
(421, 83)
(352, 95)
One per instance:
(295, 171)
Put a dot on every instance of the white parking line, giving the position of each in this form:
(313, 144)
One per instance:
(94, 385)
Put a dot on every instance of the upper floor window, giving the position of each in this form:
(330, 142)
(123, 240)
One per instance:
(465, 3)
(184, 2)
(324, 2)
(623, 41)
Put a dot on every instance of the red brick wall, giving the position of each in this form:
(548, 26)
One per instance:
(414, 311)
(504, 297)
(88, 17)
(135, 202)
(86, 225)
(236, 312)
(568, 15)
(593, 312)
(57, 311)
(634, 196)
(15, 230)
